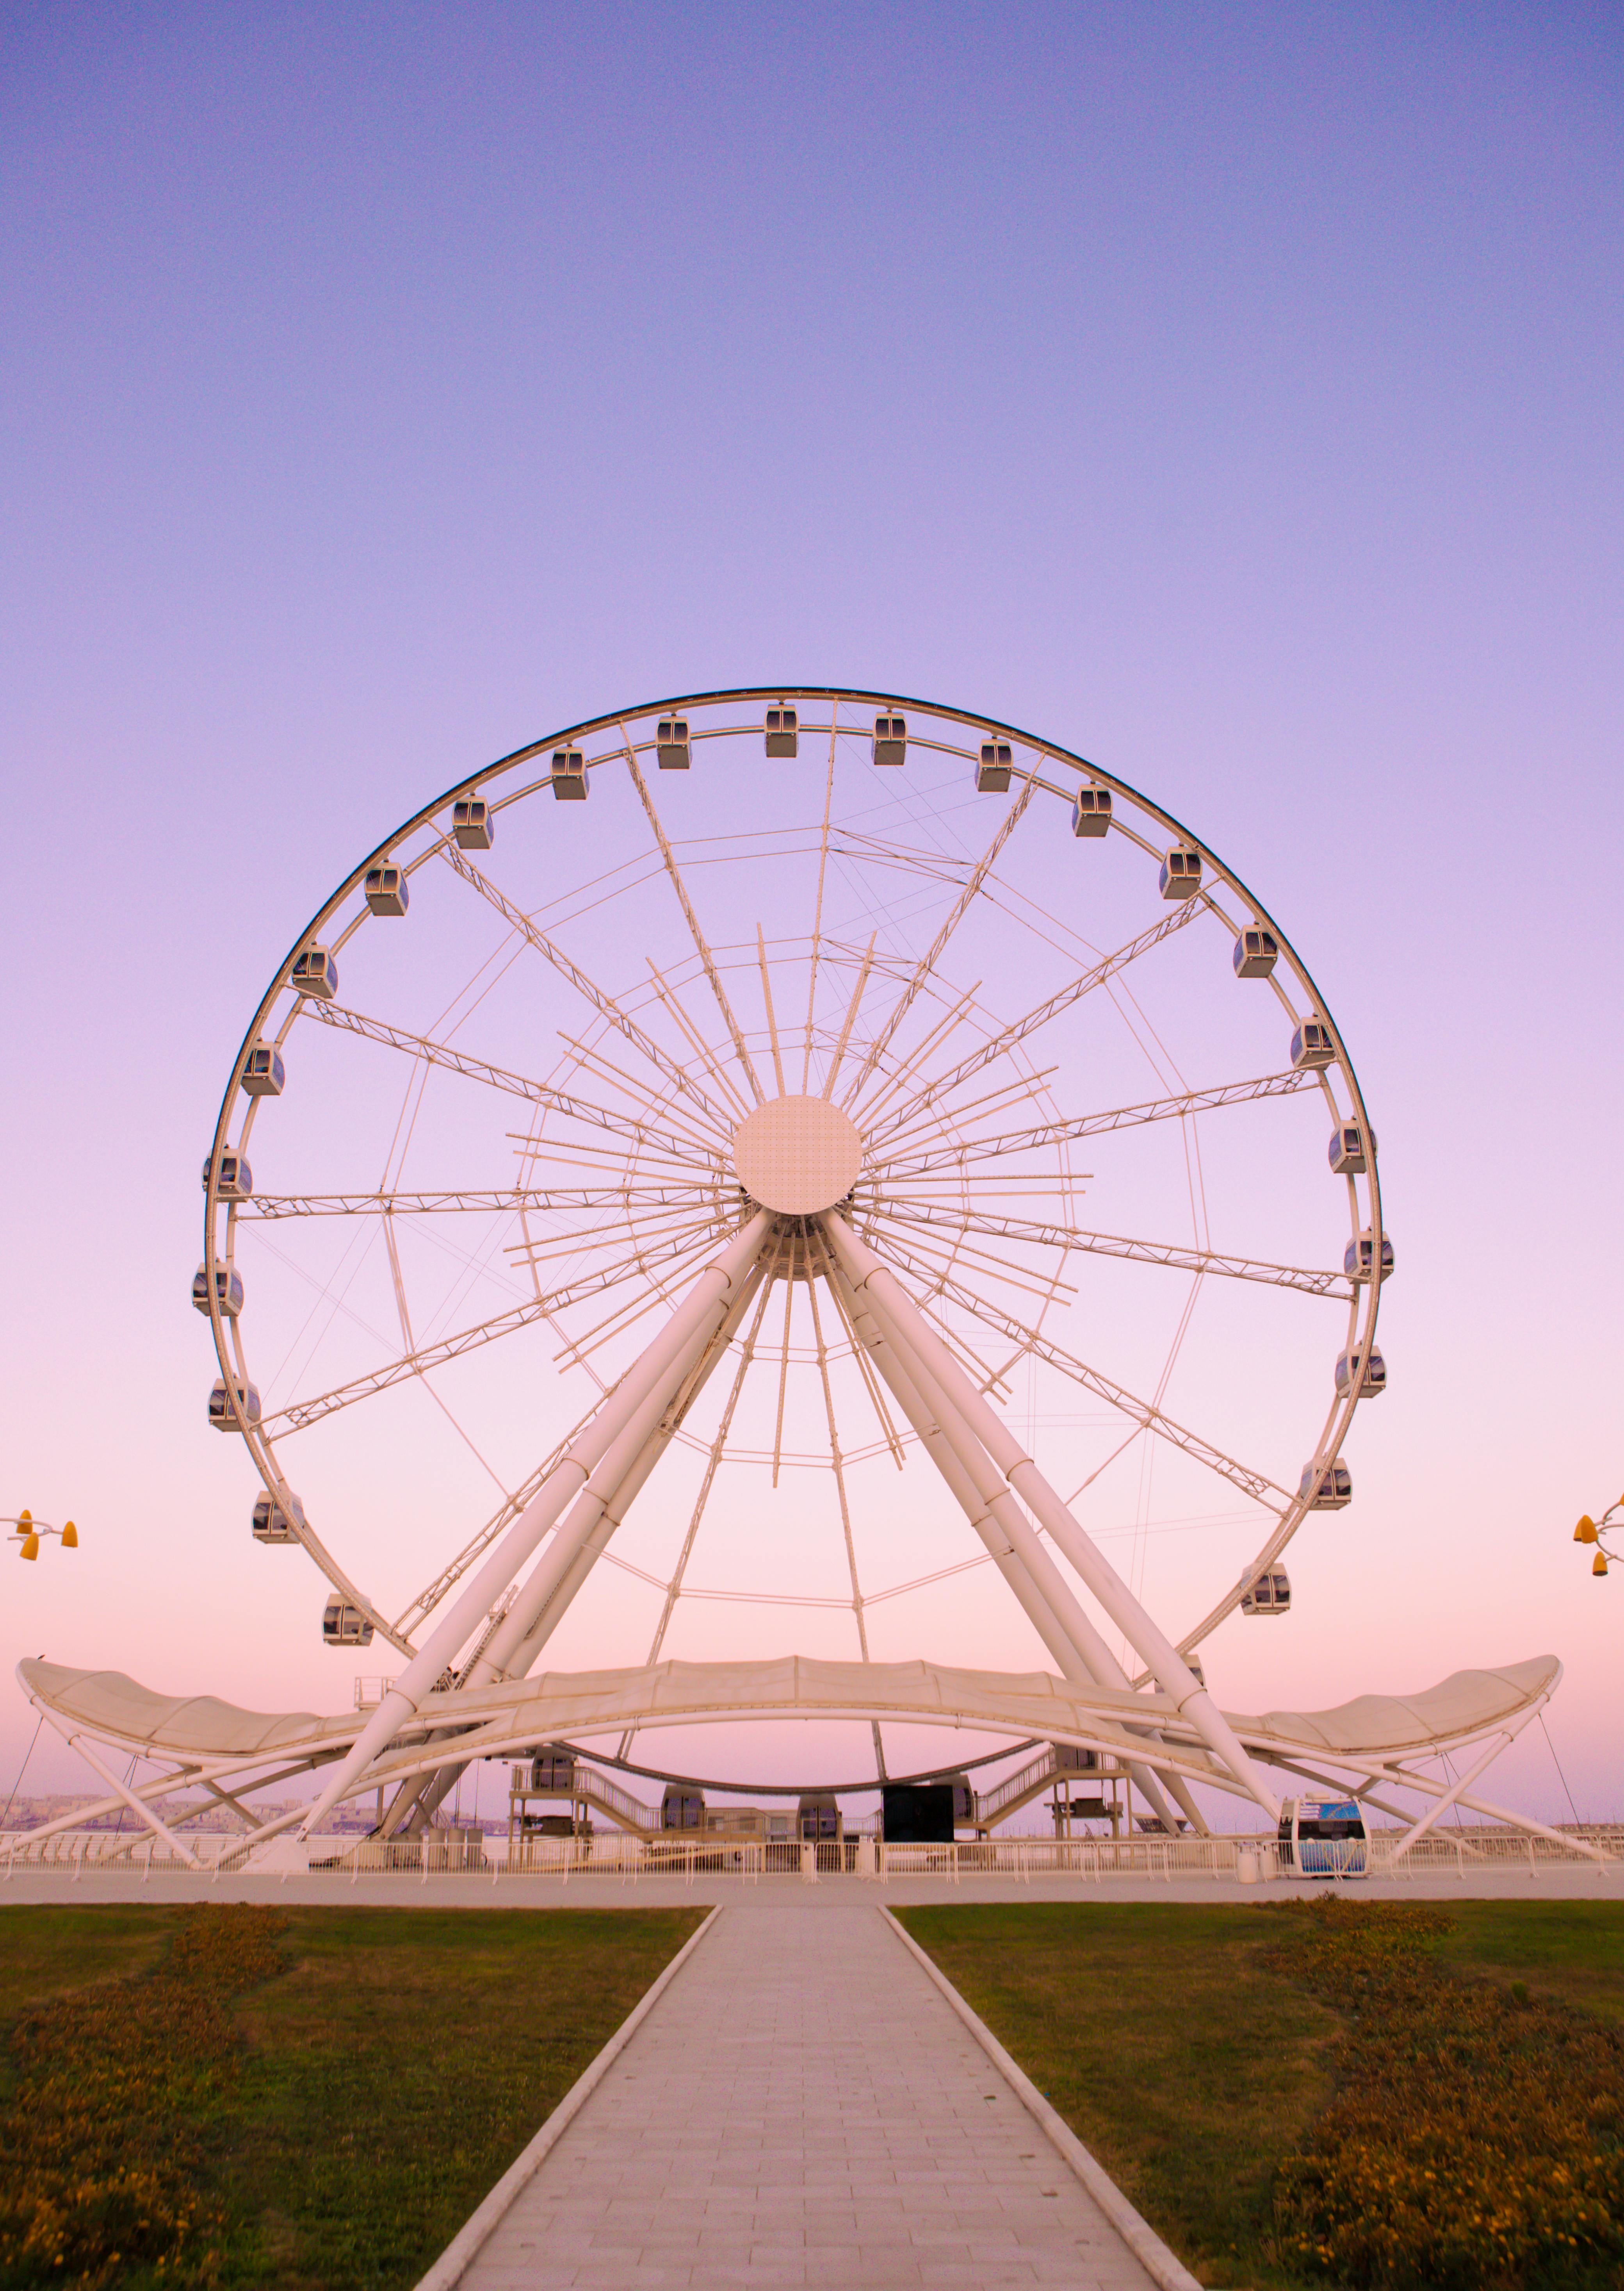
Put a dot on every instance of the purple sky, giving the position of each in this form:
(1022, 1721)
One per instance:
(1230, 394)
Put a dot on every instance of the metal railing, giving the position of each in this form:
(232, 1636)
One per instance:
(692, 1853)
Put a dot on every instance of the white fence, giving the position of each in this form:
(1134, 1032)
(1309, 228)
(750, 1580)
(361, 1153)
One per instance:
(1249, 1860)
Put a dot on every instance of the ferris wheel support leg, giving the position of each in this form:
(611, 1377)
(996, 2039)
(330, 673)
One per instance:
(593, 1519)
(866, 1272)
(1027, 1567)
(969, 1486)
(539, 1608)
(657, 1370)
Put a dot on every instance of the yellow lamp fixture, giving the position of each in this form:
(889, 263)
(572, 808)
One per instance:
(1597, 1531)
(28, 1531)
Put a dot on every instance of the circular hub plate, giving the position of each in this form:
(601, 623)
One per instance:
(797, 1155)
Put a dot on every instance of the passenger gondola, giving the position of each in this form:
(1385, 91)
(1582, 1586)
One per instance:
(1323, 1838)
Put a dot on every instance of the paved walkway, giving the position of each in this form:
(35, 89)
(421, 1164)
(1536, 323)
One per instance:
(802, 2106)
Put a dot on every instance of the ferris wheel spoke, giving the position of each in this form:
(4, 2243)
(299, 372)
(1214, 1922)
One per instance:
(1109, 1244)
(1087, 980)
(418, 1610)
(298, 1414)
(859, 1353)
(817, 929)
(928, 963)
(766, 999)
(950, 1249)
(615, 1234)
(267, 1208)
(604, 1003)
(837, 1463)
(1096, 1125)
(696, 1042)
(602, 1069)
(850, 1020)
(1101, 975)
(673, 1589)
(702, 944)
(1142, 1412)
(1028, 1086)
(864, 1116)
(659, 1270)
(515, 1085)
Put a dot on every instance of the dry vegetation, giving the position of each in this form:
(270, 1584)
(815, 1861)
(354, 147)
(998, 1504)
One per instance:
(309, 2098)
(1378, 2096)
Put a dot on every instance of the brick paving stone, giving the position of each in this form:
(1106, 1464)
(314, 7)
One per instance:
(802, 2106)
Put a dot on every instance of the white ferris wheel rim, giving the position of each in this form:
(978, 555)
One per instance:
(796, 1153)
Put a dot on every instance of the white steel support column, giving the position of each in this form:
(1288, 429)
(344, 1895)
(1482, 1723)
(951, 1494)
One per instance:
(77, 1741)
(994, 1514)
(520, 1637)
(659, 1370)
(1440, 1805)
(865, 1271)
(970, 1489)
(539, 1608)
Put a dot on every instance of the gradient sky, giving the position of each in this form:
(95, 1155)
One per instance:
(1229, 393)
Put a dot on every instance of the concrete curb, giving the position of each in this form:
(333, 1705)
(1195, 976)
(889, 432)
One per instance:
(1163, 2266)
(453, 2262)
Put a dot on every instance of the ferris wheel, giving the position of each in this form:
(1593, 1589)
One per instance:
(999, 1102)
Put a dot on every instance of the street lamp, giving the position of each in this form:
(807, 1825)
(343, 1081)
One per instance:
(1597, 1531)
(27, 1531)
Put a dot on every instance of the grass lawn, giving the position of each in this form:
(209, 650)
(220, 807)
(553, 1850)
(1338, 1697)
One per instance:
(44, 1953)
(1194, 2048)
(316, 2097)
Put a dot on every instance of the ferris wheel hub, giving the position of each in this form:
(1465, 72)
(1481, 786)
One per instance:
(797, 1155)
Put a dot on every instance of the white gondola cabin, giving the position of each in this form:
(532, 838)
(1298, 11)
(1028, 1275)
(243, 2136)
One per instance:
(1312, 1046)
(272, 1524)
(315, 972)
(993, 767)
(1323, 1838)
(890, 739)
(222, 1415)
(227, 1288)
(1090, 811)
(1370, 1376)
(569, 776)
(673, 750)
(385, 890)
(263, 1072)
(345, 1625)
(1269, 1594)
(1360, 1255)
(782, 730)
(1328, 1489)
(472, 824)
(552, 1772)
(235, 1179)
(1181, 877)
(1256, 953)
(682, 1809)
(1345, 1152)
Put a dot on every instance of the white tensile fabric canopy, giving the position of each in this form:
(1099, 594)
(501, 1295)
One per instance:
(112, 1707)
